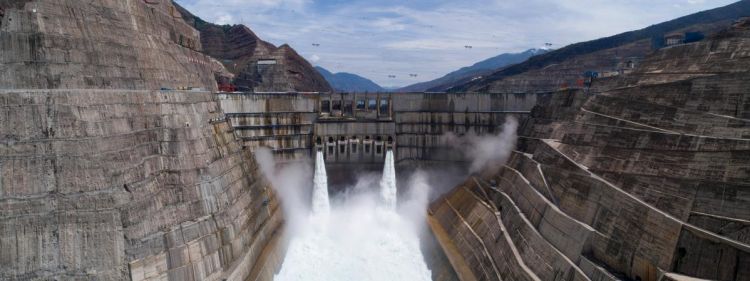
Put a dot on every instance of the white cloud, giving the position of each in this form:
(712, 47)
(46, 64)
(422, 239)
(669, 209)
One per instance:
(224, 19)
(388, 24)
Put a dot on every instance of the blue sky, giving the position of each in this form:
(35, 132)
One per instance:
(376, 38)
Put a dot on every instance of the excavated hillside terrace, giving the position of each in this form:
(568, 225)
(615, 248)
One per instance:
(646, 180)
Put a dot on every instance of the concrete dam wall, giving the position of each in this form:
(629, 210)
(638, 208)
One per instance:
(358, 128)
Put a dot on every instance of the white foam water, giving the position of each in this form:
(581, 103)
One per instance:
(355, 245)
(388, 190)
(358, 240)
(320, 201)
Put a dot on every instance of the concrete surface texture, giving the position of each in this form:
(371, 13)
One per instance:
(645, 178)
(350, 127)
(127, 185)
(101, 44)
(102, 176)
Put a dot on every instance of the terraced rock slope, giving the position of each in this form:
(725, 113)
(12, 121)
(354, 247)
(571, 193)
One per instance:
(645, 177)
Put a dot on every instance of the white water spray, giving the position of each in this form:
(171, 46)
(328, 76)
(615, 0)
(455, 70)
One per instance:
(388, 191)
(360, 239)
(320, 203)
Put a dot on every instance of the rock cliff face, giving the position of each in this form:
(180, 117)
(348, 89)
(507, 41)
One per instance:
(258, 65)
(104, 179)
(100, 45)
(643, 178)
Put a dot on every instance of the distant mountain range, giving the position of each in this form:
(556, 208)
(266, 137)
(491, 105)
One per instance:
(555, 67)
(475, 71)
(348, 82)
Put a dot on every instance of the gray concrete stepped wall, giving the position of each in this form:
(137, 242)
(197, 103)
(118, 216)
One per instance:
(722, 94)
(681, 171)
(572, 204)
(480, 237)
(728, 262)
(630, 197)
(699, 178)
(669, 118)
(681, 193)
(576, 204)
(119, 185)
(732, 228)
(567, 234)
(541, 256)
(596, 272)
(595, 117)
(635, 240)
(665, 163)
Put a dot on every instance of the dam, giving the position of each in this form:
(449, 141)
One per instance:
(359, 128)
(351, 133)
(127, 154)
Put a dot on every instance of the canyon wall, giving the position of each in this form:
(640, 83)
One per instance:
(102, 44)
(119, 185)
(644, 177)
(103, 176)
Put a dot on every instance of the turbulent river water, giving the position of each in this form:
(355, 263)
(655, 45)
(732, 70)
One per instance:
(361, 237)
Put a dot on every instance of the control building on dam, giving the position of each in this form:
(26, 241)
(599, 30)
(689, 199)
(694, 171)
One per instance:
(359, 128)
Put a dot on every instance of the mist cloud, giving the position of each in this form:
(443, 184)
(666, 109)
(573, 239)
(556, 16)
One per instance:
(292, 182)
(488, 150)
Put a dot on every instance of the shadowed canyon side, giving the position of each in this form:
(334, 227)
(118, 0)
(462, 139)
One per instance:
(644, 177)
(104, 178)
(257, 65)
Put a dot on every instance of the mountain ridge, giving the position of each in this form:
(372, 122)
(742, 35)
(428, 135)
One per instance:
(257, 65)
(655, 33)
(470, 72)
(349, 82)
